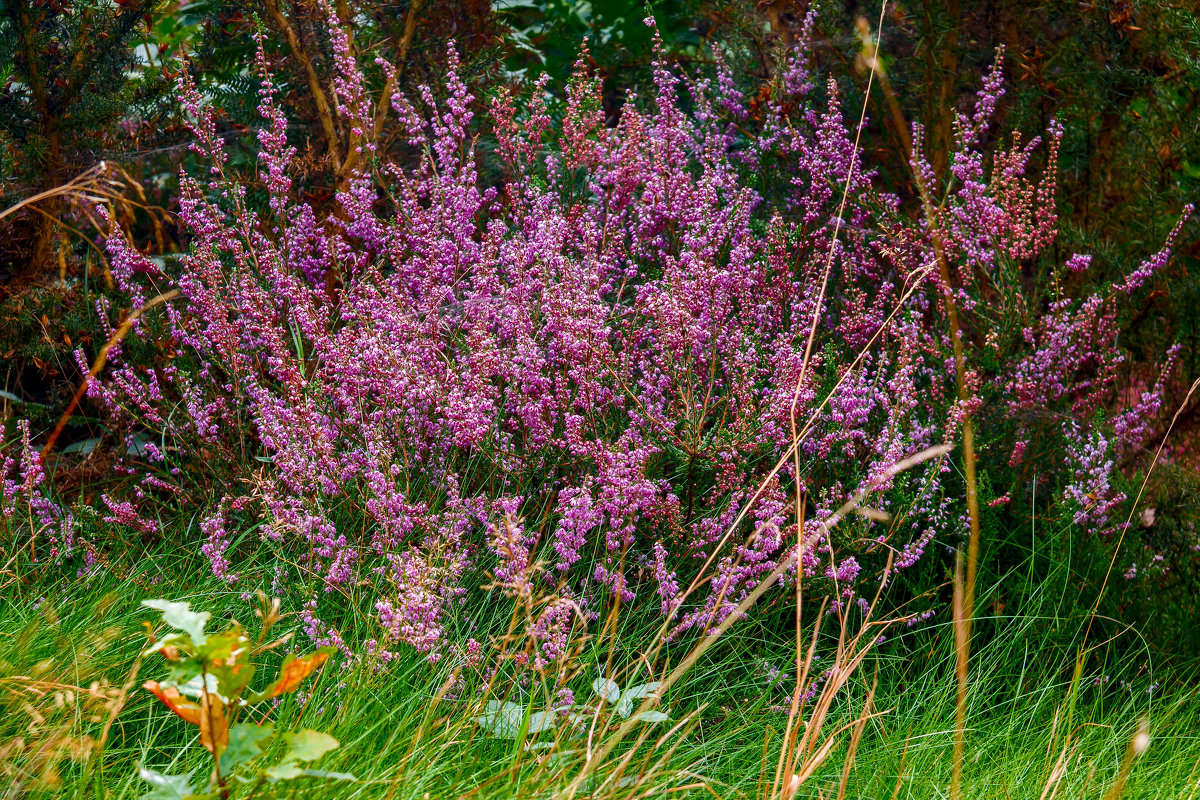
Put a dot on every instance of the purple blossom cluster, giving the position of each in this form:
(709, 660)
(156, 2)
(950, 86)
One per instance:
(1090, 489)
(580, 374)
(26, 506)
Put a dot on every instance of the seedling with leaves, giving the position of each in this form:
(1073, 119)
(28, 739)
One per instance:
(509, 720)
(208, 685)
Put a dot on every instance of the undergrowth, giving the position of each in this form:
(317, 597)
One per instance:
(409, 730)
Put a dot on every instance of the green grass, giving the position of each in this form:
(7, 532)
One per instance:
(1028, 717)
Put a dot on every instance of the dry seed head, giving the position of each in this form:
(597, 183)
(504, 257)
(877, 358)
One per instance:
(1141, 739)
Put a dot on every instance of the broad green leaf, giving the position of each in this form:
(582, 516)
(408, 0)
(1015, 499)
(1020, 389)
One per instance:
(607, 689)
(625, 704)
(284, 772)
(83, 446)
(652, 716)
(502, 719)
(308, 745)
(137, 443)
(231, 681)
(170, 645)
(541, 720)
(245, 743)
(181, 617)
(228, 647)
(644, 690)
(333, 776)
(197, 685)
(12, 398)
(183, 672)
(226, 654)
(166, 787)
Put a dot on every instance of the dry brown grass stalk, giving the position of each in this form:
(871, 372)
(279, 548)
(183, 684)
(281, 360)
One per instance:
(1138, 744)
(849, 657)
(51, 701)
(962, 632)
(98, 364)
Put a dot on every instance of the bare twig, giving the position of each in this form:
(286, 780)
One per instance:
(78, 184)
(324, 114)
(389, 88)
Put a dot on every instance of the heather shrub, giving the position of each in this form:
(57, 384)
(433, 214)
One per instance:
(582, 376)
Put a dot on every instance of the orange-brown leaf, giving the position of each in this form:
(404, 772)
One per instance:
(214, 725)
(182, 707)
(293, 673)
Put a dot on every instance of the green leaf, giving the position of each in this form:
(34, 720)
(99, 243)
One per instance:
(607, 689)
(181, 617)
(625, 704)
(166, 787)
(308, 745)
(245, 743)
(183, 672)
(652, 716)
(12, 398)
(231, 645)
(226, 654)
(644, 690)
(335, 776)
(284, 772)
(232, 681)
(179, 641)
(83, 446)
(196, 685)
(541, 720)
(502, 719)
